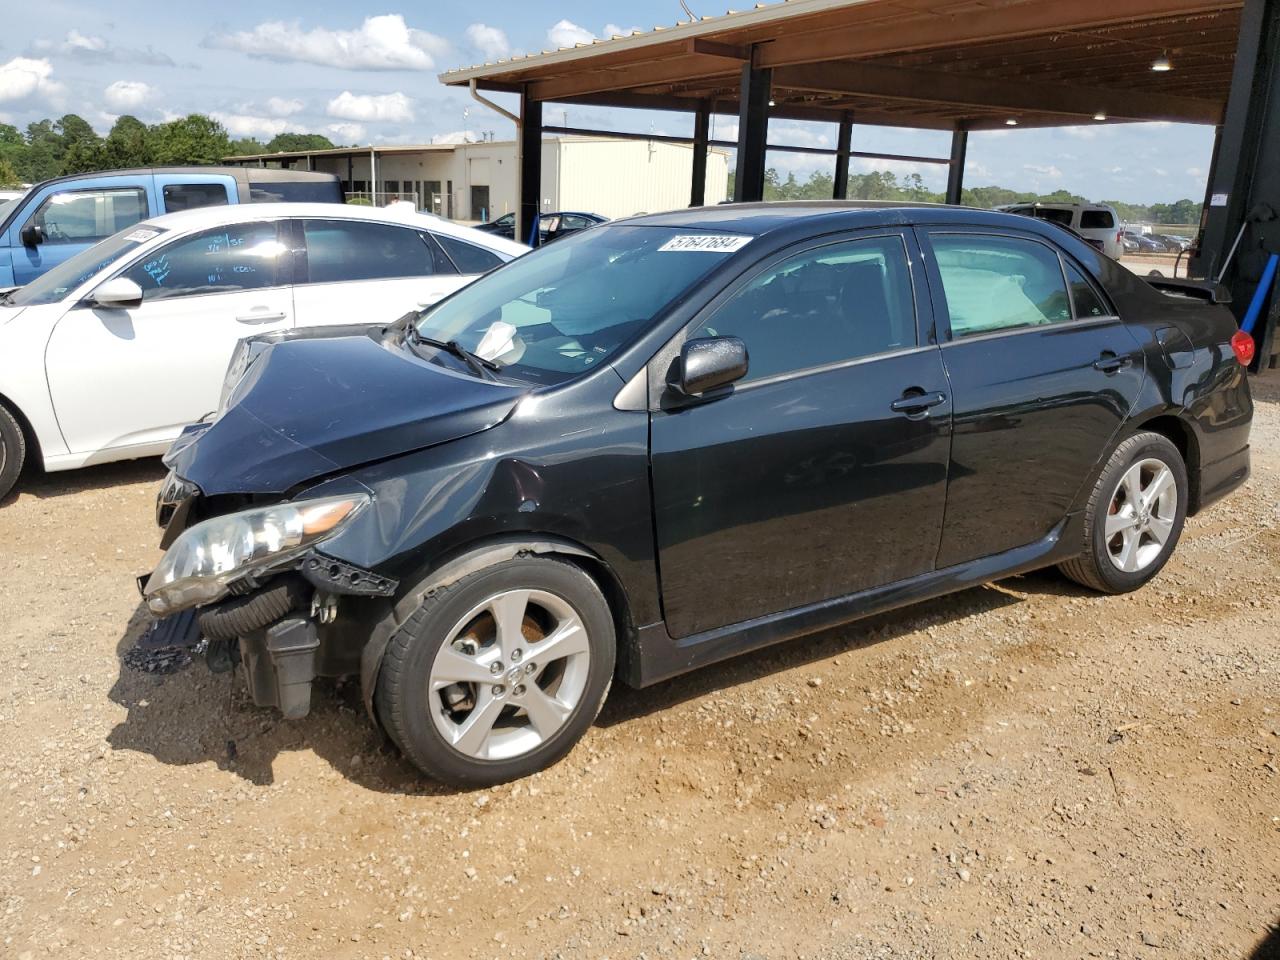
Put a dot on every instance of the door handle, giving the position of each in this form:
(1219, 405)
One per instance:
(917, 403)
(1110, 363)
(257, 317)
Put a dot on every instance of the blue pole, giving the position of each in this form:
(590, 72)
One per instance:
(1260, 295)
(533, 232)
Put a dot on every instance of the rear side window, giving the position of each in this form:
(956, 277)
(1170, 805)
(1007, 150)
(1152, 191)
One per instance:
(1083, 296)
(1060, 217)
(246, 256)
(999, 283)
(1097, 220)
(343, 250)
(468, 257)
(837, 302)
(295, 191)
(87, 216)
(189, 196)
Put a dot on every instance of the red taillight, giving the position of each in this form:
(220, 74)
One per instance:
(1243, 346)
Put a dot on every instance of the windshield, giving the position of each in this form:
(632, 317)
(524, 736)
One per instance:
(66, 276)
(567, 307)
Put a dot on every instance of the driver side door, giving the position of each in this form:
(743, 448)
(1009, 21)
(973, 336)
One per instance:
(135, 376)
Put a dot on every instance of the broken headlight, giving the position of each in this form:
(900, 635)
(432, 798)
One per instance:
(202, 563)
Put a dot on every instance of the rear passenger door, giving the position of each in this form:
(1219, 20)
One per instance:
(362, 271)
(1043, 375)
(823, 471)
(189, 191)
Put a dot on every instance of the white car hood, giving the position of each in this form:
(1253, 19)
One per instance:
(9, 313)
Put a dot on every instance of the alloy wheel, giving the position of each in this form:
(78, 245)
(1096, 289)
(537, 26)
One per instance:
(1140, 518)
(509, 675)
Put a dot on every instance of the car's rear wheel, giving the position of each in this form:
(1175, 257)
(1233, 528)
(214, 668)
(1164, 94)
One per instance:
(498, 675)
(1134, 516)
(13, 450)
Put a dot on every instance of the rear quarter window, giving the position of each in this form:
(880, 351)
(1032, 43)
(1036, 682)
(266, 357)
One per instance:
(1097, 220)
(295, 191)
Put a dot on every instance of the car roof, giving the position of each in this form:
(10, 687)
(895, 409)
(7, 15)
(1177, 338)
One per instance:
(247, 174)
(759, 219)
(1055, 205)
(203, 217)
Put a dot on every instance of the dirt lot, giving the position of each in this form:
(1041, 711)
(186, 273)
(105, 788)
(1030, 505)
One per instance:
(1022, 770)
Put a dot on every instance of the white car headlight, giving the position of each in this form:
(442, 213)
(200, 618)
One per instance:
(202, 562)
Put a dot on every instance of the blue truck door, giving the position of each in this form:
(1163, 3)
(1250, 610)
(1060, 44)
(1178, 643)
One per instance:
(187, 191)
(73, 215)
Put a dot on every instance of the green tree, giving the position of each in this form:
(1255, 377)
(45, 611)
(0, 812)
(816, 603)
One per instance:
(80, 147)
(127, 145)
(8, 176)
(246, 146)
(298, 142)
(192, 139)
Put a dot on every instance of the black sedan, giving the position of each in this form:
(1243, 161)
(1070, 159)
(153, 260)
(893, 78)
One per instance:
(680, 438)
(551, 226)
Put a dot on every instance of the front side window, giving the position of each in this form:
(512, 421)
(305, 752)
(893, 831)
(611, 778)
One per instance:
(189, 196)
(999, 283)
(244, 256)
(343, 250)
(838, 302)
(87, 216)
(566, 308)
(468, 257)
(54, 285)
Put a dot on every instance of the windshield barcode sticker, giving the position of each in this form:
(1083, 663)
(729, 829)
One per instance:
(712, 243)
(142, 236)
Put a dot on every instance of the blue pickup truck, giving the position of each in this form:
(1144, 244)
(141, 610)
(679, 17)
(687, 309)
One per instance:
(55, 220)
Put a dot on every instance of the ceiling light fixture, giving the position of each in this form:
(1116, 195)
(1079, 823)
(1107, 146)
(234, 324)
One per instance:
(1100, 115)
(1162, 63)
(772, 103)
(1011, 122)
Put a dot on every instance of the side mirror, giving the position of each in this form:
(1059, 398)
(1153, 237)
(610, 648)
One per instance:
(117, 293)
(32, 235)
(710, 362)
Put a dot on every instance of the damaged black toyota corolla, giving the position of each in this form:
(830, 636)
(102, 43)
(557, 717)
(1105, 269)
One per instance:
(673, 439)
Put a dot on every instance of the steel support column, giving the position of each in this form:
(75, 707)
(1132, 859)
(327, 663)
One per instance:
(1249, 132)
(955, 172)
(844, 142)
(701, 133)
(530, 166)
(753, 133)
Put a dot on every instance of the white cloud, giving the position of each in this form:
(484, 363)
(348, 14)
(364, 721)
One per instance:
(90, 49)
(613, 30)
(346, 132)
(457, 136)
(367, 108)
(128, 94)
(1081, 133)
(1195, 172)
(566, 33)
(380, 43)
(282, 107)
(491, 42)
(24, 77)
(1050, 171)
(245, 125)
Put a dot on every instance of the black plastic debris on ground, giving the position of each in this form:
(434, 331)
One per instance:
(162, 661)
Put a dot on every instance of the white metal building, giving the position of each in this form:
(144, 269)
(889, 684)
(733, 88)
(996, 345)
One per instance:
(477, 181)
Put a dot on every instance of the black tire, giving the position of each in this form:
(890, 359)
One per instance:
(402, 697)
(13, 450)
(1094, 567)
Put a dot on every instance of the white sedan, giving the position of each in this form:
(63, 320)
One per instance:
(110, 354)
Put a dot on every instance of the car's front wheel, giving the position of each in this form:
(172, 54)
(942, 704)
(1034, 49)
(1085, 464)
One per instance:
(1134, 516)
(498, 675)
(13, 450)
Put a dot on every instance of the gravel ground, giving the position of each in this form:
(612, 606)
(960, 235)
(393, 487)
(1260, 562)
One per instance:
(1020, 770)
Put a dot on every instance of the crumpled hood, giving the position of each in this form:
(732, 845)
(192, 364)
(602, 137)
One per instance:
(310, 407)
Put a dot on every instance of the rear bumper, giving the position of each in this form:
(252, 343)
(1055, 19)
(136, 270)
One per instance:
(1219, 478)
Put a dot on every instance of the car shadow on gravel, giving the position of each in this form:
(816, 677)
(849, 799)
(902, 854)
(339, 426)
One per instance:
(626, 704)
(62, 483)
(1269, 947)
(181, 714)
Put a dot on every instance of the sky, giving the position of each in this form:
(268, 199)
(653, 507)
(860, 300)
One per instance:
(368, 75)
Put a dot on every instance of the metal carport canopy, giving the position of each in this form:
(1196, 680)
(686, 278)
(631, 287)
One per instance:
(957, 65)
(934, 64)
